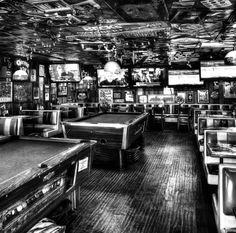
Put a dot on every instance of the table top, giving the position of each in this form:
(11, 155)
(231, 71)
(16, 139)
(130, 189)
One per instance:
(112, 118)
(222, 150)
(20, 158)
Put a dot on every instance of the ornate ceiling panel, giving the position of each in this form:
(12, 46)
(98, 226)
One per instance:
(136, 32)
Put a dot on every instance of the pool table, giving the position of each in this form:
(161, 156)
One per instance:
(114, 132)
(36, 174)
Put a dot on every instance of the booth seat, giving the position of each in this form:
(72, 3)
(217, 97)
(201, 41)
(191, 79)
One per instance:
(212, 122)
(219, 147)
(47, 123)
(70, 112)
(10, 126)
(224, 201)
(196, 113)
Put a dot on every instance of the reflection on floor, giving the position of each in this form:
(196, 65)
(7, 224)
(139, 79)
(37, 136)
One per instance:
(163, 192)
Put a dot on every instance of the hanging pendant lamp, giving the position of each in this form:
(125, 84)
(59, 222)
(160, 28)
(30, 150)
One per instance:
(20, 75)
(230, 57)
(112, 67)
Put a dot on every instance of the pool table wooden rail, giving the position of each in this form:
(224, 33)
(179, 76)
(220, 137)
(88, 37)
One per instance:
(64, 167)
(113, 135)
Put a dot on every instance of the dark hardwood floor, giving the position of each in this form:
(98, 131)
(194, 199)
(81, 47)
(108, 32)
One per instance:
(164, 192)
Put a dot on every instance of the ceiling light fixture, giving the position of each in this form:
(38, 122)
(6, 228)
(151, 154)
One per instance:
(112, 66)
(20, 74)
(230, 57)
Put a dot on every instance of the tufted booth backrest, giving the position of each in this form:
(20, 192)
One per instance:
(221, 136)
(229, 190)
(200, 112)
(214, 122)
(11, 126)
(47, 124)
(224, 201)
(70, 112)
(47, 118)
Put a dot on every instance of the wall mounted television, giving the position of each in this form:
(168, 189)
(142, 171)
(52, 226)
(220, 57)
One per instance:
(147, 76)
(65, 72)
(184, 77)
(107, 79)
(217, 70)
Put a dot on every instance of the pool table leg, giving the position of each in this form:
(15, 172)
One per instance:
(121, 164)
(75, 195)
(75, 198)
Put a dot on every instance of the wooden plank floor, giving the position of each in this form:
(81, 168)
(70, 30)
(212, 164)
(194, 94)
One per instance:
(164, 192)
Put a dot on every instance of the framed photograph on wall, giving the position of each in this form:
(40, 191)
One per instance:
(129, 97)
(229, 90)
(5, 92)
(105, 95)
(22, 92)
(143, 99)
(42, 70)
(189, 97)
(46, 93)
(117, 94)
(36, 93)
(202, 96)
(118, 97)
(62, 89)
(33, 75)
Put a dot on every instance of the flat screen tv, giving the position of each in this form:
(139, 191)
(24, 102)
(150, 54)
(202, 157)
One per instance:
(184, 77)
(147, 76)
(107, 79)
(65, 72)
(217, 70)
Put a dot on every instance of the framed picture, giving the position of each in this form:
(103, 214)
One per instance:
(180, 97)
(33, 75)
(46, 92)
(5, 92)
(62, 89)
(189, 97)
(230, 90)
(42, 70)
(142, 99)
(129, 96)
(36, 93)
(117, 95)
(22, 92)
(106, 95)
(202, 96)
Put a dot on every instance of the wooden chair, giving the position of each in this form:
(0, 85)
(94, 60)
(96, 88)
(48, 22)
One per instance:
(183, 117)
(92, 109)
(10, 126)
(139, 108)
(158, 116)
(47, 124)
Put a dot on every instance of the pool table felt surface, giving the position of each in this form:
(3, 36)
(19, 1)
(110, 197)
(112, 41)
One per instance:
(19, 155)
(111, 118)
